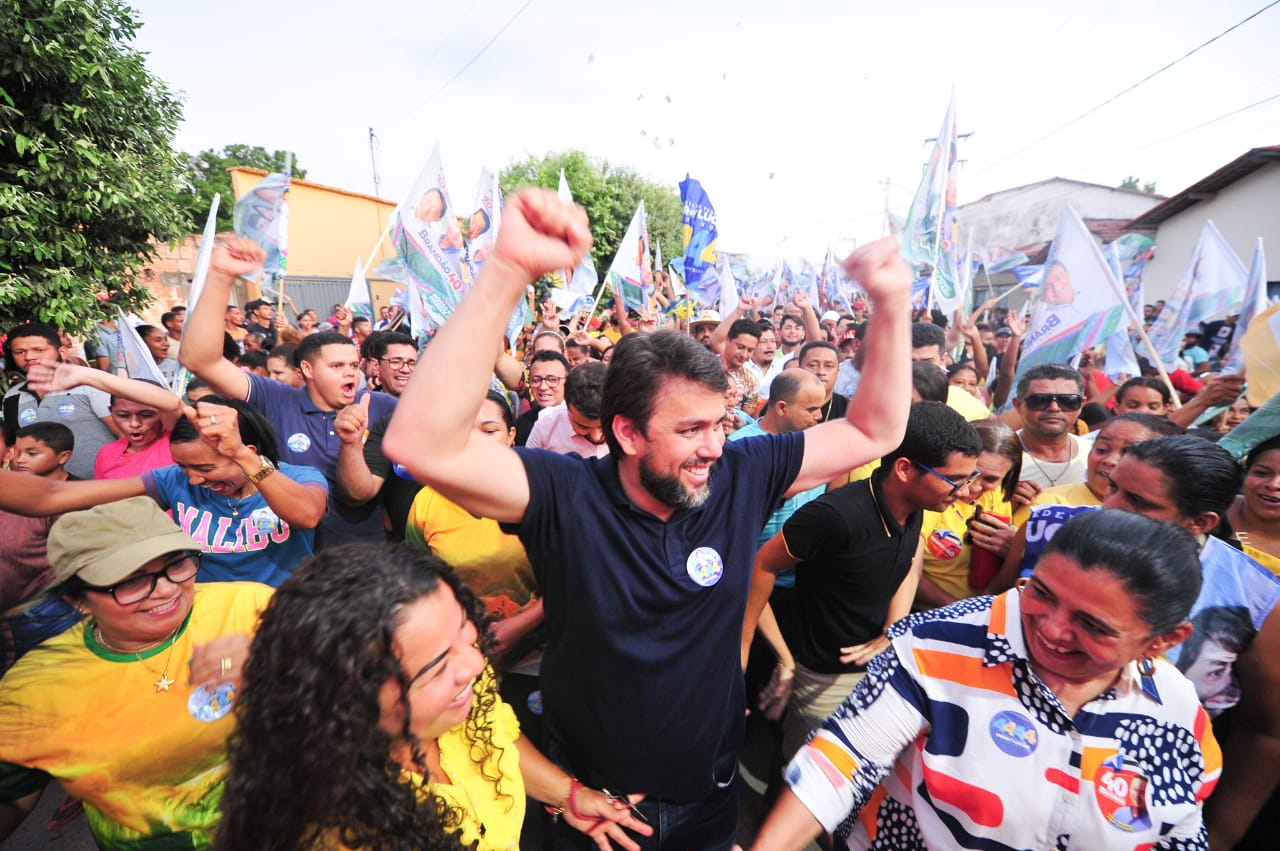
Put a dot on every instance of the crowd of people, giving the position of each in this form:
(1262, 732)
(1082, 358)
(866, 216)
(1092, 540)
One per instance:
(349, 589)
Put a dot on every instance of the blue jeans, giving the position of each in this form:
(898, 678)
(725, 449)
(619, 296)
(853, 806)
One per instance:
(707, 825)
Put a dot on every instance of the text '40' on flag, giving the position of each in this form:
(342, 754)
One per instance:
(698, 230)
(1079, 302)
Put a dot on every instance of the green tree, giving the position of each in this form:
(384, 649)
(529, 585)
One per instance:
(207, 173)
(1132, 182)
(609, 193)
(87, 172)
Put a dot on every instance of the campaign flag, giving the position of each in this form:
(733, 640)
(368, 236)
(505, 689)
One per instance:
(1028, 277)
(920, 292)
(929, 234)
(806, 281)
(675, 274)
(138, 359)
(359, 301)
(1079, 302)
(429, 245)
(262, 214)
(1121, 358)
(996, 259)
(784, 288)
(729, 296)
(1212, 286)
(830, 281)
(584, 278)
(201, 273)
(698, 238)
(630, 277)
(482, 227)
(1254, 302)
(657, 254)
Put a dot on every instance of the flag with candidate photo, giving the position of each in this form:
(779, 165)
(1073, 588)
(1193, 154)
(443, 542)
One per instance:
(1253, 304)
(996, 259)
(482, 224)
(1120, 358)
(429, 244)
(929, 233)
(1212, 286)
(262, 214)
(698, 239)
(630, 276)
(1079, 302)
(583, 278)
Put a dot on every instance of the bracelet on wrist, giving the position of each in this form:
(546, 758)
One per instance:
(566, 803)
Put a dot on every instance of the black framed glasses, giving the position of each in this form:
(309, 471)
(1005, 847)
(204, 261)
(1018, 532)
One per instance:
(955, 486)
(1042, 401)
(398, 364)
(137, 588)
(549, 380)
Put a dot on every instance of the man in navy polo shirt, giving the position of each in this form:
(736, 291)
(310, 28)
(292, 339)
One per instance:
(303, 418)
(644, 556)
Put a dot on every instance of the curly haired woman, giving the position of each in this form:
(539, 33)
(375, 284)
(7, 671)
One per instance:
(370, 718)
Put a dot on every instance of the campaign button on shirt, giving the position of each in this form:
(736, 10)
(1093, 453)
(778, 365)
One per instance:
(944, 544)
(1014, 734)
(28, 416)
(299, 442)
(705, 566)
(66, 409)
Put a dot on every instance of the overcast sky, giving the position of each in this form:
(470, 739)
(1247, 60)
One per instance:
(792, 115)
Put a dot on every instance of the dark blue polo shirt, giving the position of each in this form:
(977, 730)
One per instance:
(306, 437)
(641, 679)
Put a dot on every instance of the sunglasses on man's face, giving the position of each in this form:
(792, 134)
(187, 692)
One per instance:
(1042, 401)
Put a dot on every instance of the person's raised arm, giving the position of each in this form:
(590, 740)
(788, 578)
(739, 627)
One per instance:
(813, 329)
(877, 416)
(201, 350)
(36, 496)
(1219, 390)
(720, 335)
(301, 506)
(431, 433)
(44, 378)
(357, 484)
(1008, 362)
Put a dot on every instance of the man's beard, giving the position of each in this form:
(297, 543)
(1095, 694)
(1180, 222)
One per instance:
(669, 490)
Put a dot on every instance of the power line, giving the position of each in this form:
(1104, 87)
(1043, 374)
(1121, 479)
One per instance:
(1124, 92)
(472, 61)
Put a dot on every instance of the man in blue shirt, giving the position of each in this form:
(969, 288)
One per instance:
(303, 417)
(644, 556)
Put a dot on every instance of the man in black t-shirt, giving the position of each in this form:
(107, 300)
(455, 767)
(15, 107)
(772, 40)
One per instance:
(260, 315)
(856, 551)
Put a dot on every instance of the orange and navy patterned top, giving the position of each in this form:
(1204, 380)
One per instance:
(956, 743)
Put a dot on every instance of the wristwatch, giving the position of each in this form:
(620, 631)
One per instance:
(267, 469)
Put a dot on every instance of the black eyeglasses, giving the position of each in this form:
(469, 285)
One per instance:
(955, 486)
(400, 363)
(138, 588)
(549, 380)
(1042, 401)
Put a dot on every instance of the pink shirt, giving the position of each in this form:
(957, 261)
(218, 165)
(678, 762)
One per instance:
(113, 463)
(554, 432)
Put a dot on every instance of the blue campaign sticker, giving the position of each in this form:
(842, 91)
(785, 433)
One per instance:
(1014, 734)
(400, 471)
(211, 701)
(265, 520)
(28, 416)
(299, 442)
(66, 409)
(535, 702)
(705, 566)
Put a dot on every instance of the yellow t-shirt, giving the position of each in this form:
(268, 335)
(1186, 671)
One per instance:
(141, 763)
(962, 402)
(1077, 493)
(490, 561)
(1266, 559)
(946, 555)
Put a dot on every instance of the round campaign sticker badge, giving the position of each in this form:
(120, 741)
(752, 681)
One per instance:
(211, 701)
(535, 701)
(299, 442)
(944, 544)
(66, 409)
(1014, 734)
(1121, 795)
(400, 471)
(705, 566)
(28, 416)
